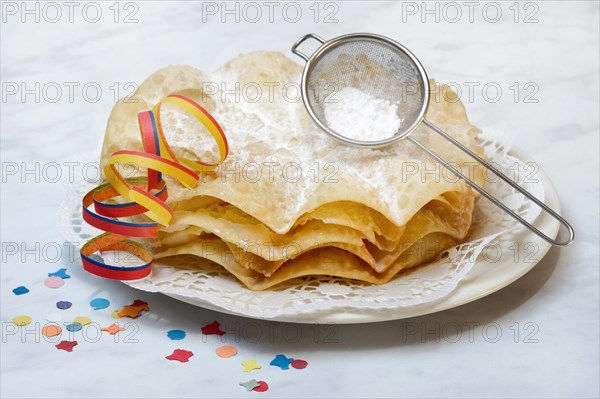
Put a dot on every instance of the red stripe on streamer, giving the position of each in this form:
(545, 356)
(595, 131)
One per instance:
(105, 214)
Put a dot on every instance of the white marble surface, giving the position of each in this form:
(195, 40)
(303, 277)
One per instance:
(559, 297)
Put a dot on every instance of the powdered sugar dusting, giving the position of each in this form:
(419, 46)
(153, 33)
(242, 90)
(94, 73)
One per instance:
(276, 148)
(357, 115)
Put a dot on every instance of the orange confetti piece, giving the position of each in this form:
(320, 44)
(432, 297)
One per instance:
(51, 330)
(134, 310)
(113, 329)
(226, 351)
(140, 304)
(131, 311)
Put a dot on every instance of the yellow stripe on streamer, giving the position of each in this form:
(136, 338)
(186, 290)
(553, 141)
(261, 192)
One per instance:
(184, 175)
(204, 117)
(114, 178)
(157, 209)
(158, 160)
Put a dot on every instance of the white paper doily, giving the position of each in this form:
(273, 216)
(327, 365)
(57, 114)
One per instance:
(220, 290)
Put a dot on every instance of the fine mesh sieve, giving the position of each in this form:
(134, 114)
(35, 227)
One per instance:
(385, 70)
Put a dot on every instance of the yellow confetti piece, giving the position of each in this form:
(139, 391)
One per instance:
(84, 321)
(21, 320)
(250, 365)
(115, 314)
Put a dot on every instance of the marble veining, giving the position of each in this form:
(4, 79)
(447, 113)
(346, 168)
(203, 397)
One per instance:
(537, 337)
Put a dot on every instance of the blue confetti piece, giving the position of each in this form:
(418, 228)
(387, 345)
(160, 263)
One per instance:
(62, 273)
(99, 303)
(63, 305)
(176, 335)
(281, 361)
(74, 327)
(21, 290)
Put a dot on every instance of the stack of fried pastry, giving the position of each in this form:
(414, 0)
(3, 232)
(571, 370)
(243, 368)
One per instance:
(290, 202)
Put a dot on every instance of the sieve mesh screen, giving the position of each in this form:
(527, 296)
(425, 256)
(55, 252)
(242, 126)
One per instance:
(372, 66)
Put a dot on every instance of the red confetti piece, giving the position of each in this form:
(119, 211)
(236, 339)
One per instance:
(262, 386)
(66, 345)
(180, 355)
(140, 303)
(299, 364)
(212, 328)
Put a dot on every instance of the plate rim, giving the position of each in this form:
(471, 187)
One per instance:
(454, 299)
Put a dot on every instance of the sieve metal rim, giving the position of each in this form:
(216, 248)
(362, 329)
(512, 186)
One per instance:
(329, 45)
(365, 144)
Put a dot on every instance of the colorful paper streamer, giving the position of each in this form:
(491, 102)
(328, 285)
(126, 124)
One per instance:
(144, 195)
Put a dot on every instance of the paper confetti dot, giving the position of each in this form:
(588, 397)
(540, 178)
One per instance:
(140, 304)
(250, 365)
(281, 361)
(212, 328)
(22, 320)
(51, 330)
(66, 345)
(84, 321)
(63, 305)
(54, 282)
(113, 329)
(99, 303)
(74, 327)
(61, 273)
(249, 385)
(226, 351)
(20, 290)
(299, 364)
(130, 311)
(176, 335)
(134, 310)
(180, 355)
(53, 317)
(262, 387)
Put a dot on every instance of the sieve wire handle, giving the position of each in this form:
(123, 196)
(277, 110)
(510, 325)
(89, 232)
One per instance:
(302, 39)
(490, 196)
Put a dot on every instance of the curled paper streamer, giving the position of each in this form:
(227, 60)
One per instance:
(144, 195)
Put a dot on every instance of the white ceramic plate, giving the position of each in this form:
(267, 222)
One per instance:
(489, 274)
